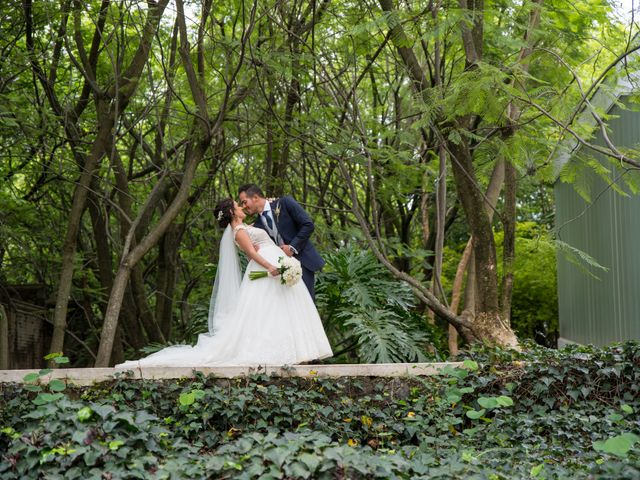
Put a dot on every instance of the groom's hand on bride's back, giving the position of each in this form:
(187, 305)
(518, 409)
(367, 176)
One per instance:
(287, 250)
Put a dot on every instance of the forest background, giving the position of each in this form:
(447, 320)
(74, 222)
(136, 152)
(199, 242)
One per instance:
(420, 136)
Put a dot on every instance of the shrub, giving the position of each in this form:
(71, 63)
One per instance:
(501, 415)
(369, 314)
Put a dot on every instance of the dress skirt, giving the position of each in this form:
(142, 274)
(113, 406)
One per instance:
(271, 324)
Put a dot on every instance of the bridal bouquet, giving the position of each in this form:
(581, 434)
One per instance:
(290, 272)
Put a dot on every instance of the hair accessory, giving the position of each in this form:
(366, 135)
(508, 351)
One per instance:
(220, 215)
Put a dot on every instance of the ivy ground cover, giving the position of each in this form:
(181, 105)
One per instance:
(540, 414)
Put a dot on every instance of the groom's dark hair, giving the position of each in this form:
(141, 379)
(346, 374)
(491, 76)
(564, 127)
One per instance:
(251, 190)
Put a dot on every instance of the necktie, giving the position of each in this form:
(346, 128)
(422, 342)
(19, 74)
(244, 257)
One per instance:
(268, 220)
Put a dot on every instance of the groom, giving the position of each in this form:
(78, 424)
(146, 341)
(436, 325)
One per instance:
(288, 225)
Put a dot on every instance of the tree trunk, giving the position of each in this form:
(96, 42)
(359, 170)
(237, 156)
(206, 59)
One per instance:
(441, 213)
(149, 322)
(509, 242)
(488, 323)
(118, 349)
(154, 334)
(73, 227)
(110, 324)
(131, 329)
(470, 291)
(466, 262)
(456, 294)
(167, 270)
(101, 237)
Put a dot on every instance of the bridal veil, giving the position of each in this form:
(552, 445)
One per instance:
(227, 283)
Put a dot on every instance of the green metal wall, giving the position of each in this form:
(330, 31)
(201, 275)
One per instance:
(604, 310)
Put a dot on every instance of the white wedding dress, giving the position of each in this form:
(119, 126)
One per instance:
(258, 322)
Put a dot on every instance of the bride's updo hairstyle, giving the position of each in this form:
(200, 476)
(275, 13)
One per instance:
(224, 212)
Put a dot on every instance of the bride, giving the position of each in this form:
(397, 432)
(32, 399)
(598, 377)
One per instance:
(251, 322)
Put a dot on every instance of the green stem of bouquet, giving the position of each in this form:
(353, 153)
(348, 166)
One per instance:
(258, 274)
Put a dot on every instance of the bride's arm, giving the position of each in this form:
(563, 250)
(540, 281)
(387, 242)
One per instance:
(244, 242)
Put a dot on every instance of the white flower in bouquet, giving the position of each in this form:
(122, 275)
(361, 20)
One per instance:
(290, 271)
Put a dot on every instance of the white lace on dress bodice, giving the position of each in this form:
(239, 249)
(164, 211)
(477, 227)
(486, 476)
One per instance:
(257, 236)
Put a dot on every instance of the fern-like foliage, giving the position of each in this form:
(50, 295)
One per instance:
(368, 313)
(579, 258)
(384, 338)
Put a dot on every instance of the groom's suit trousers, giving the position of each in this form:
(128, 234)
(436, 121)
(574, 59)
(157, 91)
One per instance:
(308, 277)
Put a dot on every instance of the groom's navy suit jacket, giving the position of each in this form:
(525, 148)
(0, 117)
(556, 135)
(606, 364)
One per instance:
(295, 227)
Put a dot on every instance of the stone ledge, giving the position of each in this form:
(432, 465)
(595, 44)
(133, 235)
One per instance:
(87, 376)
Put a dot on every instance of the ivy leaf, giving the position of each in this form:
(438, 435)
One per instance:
(537, 470)
(104, 410)
(31, 377)
(615, 417)
(187, 399)
(298, 470)
(470, 365)
(115, 445)
(143, 417)
(56, 385)
(627, 409)
(84, 414)
(310, 460)
(618, 446)
(277, 455)
(91, 457)
(10, 432)
(488, 402)
(61, 360)
(454, 395)
(44, 398)
(468, 456)
(475, 414)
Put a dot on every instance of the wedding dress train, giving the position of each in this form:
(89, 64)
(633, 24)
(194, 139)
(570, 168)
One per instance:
(259, 322)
